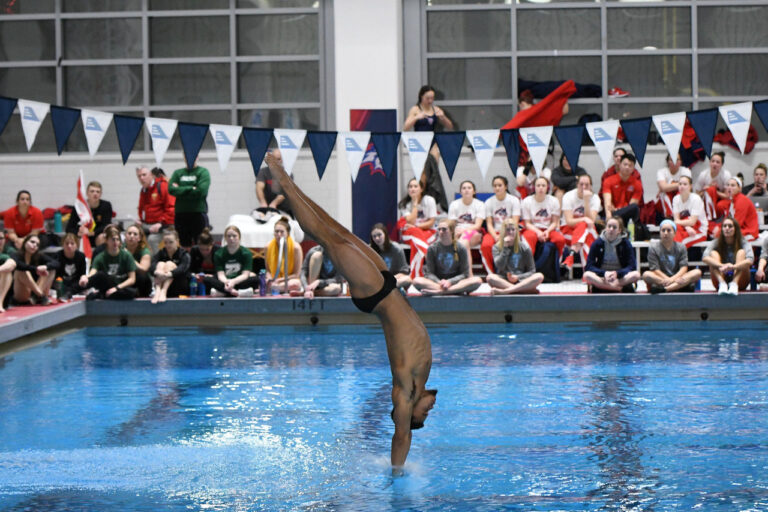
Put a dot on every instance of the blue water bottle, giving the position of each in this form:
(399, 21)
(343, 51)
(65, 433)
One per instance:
(193, 286)
(200, 285)
(57, 226)
(262, 283)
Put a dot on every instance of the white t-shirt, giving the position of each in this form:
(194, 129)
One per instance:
(705, 180)
(501, 210)
(666, 175)
(572, 202)
(466, 214)
(540, 214)
(546, 172)
(427, 209)
(693, 207)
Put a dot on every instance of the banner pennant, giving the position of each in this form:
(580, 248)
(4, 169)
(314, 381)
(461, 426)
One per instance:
(95, 125)
(449, 144)
(761, 107)
(32, 115)
(7, 106)
(161, 132)
(225, 139)
(537, 140)
(354, 145)
(127, 129)
(670, 127)
(289, 142)
(321, 144)
(257, 142)
(737, 117)
(511, 140)
(418, 145)
(386, 148)
(704, 123)
(603, 135)
(570, 139)
(484, 143)
(636, 131)
(64, 120)
(192, 136)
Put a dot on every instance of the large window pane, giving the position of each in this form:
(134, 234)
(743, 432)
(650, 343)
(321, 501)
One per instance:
(27, 40)
(103, 85)
(729, 75)
(35, 7)
(659, 75)
(576, 111)
(733, 26)
(279, 82)
(555, 29)
(291, 118)
(189, 37)
(167, 5)
(471, 78)
(37, 84)
(468, 31)
(657, 27)
(100, 5)
(105, 38)
(185, 84)
(478, 116)
(580, 69)
(277, 35)
(636, 110)
(195, 116)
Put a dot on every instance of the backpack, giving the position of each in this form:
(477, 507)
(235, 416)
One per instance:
(547, 261)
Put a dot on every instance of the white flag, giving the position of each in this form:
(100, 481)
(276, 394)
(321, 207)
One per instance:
(603, 135)
(353, 145)
(225, 137)
(289, 142)
(32, 115)
(670, 127)
(484, 143)
(418, 144)
(95, 124)
(737, 118)
(161, 131)
(537, 139)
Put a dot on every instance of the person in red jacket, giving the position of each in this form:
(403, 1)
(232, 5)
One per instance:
(156, 205)
(623, 192)
(742, 210)
(22, 219)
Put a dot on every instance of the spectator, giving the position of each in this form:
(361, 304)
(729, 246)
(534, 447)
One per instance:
(22, 219)
(758, 187)
(469, 214)
(101, 211)
(743, 210)
(447, 270)
(72, 266)
(515, 269)
(268, 190)
(729, 257)
(688, 211)
(319, 276)
(618, 154)
(136, 245)
(668, 264)
(623, 193)
(233, 264)
(284, 271)
(190, 187)
(7, 266)
(417, 224)
(667, 179)
(425, 116)
(580, 209)
(541, 215)
(711, 185)
(156, 205)
(113, 272)
(565, 178)
(34, 273)
(6, 248)
(170, 267)
(526, 176)
(498, 208)
(201, 256)
(759, 274)
(611, 265)
(393, 256)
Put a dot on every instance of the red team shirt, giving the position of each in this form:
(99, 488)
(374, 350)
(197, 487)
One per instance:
(22, 226)
(622, 192)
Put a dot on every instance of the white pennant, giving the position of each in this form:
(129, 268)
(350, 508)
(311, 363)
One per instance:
(32, 115)
(354, 144)
(484, 143)
(225, 138)
(418, 144)
(603, 135)
(95, 124)
(537, 139)
(737, 118)
(161, 131)
(289, 142)
(670, 127)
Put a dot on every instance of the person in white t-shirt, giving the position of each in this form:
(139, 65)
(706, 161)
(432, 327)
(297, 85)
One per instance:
(580, 209)
(711, 186)
(667, 179)
(690, 218)
(416, 224)
(499, 207)
(541, 215)
(469, 214)
(526, 175)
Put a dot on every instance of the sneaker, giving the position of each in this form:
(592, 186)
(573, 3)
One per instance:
(617, 92)
(568, 261)
(722, 289)
(217, 293)
(628, 288)
(733, 288)
(246, 292)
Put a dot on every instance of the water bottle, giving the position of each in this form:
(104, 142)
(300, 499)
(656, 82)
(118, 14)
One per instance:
(57, 226)
(201, 292)
(193, 286)
(631, 230)
(58, 285)
(262, 283)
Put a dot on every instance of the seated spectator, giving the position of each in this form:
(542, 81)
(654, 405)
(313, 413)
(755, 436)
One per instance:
(284, 271)
(469, 214)
(618, 154)
(729, 257)
(742, 209)
(417, 224)
(201, 256)
(498, 208)
(136, 245)
(72, 266)
(541, 216)
(688, 211)
(580, 209)
(100, 210)
(611, 265)
(526, 176)
(667, 179)
(514, 264)
(758, 186)
(668, 264)
(319, 276)
(34, 274)
(760, 273)
(5, 247)
(170, 267)
(22, 219)
(565, 178)
(447, 269)
(233, 264)
(268, 190)
(113, 272)
(7, 266)
(393, 256)
(623, 193)
(711, 186)
(156, 205)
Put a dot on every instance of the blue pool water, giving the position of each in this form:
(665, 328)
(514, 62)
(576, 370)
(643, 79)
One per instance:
(552, 417)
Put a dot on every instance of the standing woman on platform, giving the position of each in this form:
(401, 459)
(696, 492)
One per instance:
(417, 224)
(425, 115)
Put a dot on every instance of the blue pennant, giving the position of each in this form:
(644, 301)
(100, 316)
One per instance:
(511, 140)
(761, 107)
(64, 120)
(321, 144)
(386, 147)
(636, 131)
(450, 144)
(6, 110)
(257, 142)
(192, 136)
(704, 123)
(128, 129)
(570, 138)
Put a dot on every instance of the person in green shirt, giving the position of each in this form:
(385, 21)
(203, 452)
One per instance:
(233, 264)
(113, 272)
(137, 246)
(190, 187)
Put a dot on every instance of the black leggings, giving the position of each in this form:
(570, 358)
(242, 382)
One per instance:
(213, 282)
(103, 282)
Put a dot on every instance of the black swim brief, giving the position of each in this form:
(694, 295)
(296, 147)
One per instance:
(367, 304)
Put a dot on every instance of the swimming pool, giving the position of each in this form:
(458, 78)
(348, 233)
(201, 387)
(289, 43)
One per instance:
(609, 416)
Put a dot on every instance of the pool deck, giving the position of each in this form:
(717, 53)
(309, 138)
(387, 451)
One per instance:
(564, 302)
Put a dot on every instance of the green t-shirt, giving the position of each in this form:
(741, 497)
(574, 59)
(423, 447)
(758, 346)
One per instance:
(3, 258)
(116, 267)
(140, 254)
(233, 264)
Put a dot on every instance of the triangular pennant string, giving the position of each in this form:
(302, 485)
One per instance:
(450, 144)
(761, 107)
(570, 139)
(511, 140)
(64, 120)
(289, 142)
(704, 123)
(32, 116)
(7, 105)
(225, 139)
(537, 140)
(128, 129)
(354, 146)
(737, 117)
(192, 136)
(95, 124)
(386, 148)
(603, 135)
(670, 127)
(321, 144)
(636, 131)
(418, 145)
(257, 142)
